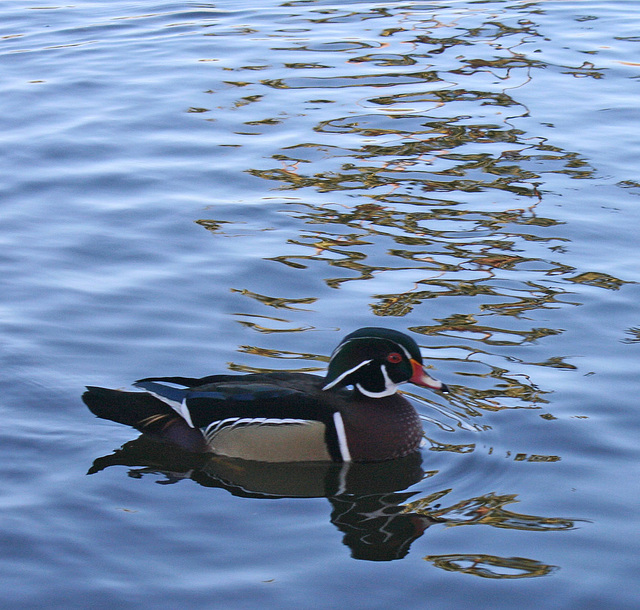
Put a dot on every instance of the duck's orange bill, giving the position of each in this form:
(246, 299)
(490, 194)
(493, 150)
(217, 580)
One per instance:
(422, 378)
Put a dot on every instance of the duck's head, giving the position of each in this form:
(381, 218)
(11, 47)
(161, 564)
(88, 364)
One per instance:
(375, 361)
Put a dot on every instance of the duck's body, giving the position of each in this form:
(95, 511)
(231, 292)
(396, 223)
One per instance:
(287, 417)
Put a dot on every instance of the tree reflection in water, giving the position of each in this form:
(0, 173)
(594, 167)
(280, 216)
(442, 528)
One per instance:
(416, 171)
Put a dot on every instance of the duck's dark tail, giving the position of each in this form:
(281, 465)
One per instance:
(144, 413)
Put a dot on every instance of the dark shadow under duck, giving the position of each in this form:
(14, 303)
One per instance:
(287, 417)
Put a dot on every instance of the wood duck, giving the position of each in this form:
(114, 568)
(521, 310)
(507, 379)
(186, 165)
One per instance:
(287, 417)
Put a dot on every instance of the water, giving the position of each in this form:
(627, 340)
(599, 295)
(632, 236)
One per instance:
(189, 188)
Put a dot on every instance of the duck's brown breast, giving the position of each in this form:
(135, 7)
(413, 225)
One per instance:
(382, 429)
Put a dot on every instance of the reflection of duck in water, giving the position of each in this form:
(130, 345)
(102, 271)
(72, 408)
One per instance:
(367, 499)
(379, 520)
(287, 417)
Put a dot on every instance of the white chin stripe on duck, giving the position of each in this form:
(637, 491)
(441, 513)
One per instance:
(390, 387)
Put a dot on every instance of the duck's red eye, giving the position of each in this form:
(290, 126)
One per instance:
(394, 358)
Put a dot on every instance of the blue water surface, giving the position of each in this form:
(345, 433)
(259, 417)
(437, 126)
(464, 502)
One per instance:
(190, 188)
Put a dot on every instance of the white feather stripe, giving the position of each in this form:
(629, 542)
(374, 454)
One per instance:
(235, 422)
(179, 407)
(339, 378)
(402, 347)
(342, 437)
(184, 411)
(405, 350)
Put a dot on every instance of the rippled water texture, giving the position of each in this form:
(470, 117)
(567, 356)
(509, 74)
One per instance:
(188, 188)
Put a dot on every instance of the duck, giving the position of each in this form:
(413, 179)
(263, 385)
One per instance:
(352, 414)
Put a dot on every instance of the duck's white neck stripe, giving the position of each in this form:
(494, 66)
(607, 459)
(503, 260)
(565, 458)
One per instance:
(342, 437)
